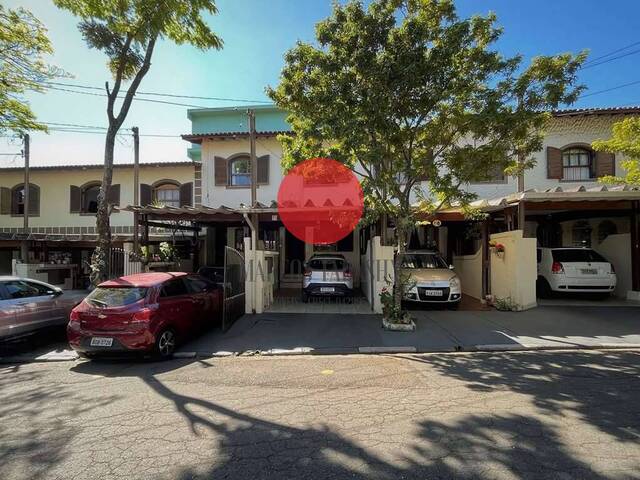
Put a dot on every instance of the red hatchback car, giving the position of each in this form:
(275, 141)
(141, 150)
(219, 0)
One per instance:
(145, 313)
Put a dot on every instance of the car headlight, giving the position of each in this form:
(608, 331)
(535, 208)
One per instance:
(454, 282)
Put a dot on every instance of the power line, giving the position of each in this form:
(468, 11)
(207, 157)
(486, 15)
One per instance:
(169, 95)
(633, 52)
(611, 53)
(610, 89)
(88, 130)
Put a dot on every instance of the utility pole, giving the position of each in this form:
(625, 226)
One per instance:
(24, 246)
(254, 168)
(136, 185)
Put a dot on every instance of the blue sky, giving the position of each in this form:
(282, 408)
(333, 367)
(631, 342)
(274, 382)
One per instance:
(256, 34)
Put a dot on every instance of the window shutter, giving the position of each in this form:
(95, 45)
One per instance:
(186, 194)
(263, 170)
(74, 199)
(114, 195)
(605, 164)
(15, 200)
(145, 195)
(554, 163)
(220, 167)
(5, 201)
(34, 200)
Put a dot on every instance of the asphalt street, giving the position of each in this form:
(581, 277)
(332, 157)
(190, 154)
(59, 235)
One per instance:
(546, 415)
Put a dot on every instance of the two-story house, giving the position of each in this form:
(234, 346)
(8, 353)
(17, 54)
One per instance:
(62, 207)
(562, 202)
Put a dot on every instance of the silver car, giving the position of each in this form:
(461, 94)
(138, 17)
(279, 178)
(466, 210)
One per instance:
(430, 279)
(327, 275)
(29, 305)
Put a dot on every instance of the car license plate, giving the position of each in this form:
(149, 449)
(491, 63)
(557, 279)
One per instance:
(433, 293)
(101, 342)
(327, 289)
(589, 271)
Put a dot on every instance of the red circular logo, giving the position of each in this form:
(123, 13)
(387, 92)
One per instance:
(320, 201)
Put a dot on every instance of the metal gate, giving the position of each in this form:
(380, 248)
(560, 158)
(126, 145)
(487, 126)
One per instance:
(120, 263)
(233, 303)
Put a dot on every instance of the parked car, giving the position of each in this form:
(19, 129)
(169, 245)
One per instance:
(430, 279)
(27, 306)
(575, 269)
(146, 313)
(327, 275)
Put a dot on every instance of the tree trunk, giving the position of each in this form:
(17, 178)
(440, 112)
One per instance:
(100, 257)
(398, 281)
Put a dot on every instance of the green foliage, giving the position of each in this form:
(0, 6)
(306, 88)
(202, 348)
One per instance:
(122, 29)
(415, 101)
(506, 304)
(407, 90)
(23, 46)
(625, 139)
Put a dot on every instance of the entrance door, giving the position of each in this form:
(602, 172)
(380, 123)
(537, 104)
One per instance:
(294, 254)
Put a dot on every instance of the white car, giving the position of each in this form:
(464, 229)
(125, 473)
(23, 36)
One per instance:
(327, 275)
(430, 279)
(574, 269)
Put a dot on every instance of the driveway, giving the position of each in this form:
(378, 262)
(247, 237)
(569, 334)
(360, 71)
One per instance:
(437, 331)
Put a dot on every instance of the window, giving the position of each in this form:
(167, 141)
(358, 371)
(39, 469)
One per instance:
(22, 289)
(423, 260)
(116, 296)
(173, 288)
(581, 234)
(167, 194)
(576, 255)
(199, 284)
(577, 164)
(90, 198)
(18, 198)
(239, 172)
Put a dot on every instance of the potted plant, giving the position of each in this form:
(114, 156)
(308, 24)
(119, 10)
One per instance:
(497, 248)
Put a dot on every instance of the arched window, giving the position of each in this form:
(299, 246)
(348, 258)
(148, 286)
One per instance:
(167, 194)
(239, 171)
(89, 195)
(606, 228)
(577, 164)
(18, 199)
(581, 234)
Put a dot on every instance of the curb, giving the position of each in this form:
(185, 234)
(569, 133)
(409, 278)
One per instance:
(282, 352)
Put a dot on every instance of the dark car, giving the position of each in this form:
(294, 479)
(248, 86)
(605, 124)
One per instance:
(146, 313)
(28, 306)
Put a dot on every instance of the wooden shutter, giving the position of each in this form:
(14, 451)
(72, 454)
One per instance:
(145, 195)
(5, 201)
(263, 170)
(34, 200)
(220, 167)
(75, 196)
(186, 194)
(554, 163)
(605, 164)
(114, 195)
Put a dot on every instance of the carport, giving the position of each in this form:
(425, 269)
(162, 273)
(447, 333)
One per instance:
(603, 218)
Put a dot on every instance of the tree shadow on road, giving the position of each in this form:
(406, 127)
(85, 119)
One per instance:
(237, 443)
(603, 389)
(35, 431)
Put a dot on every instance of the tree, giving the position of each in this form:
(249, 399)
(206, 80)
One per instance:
(23, 45)
(127, 32)
(405, 92)
(625, 139)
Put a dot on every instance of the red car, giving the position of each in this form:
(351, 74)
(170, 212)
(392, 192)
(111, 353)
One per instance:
(146, 313)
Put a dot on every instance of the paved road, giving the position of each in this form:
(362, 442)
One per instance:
(501, 416)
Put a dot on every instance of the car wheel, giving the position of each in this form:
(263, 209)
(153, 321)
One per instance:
(305, 298)
(543, 289)
(165, 344)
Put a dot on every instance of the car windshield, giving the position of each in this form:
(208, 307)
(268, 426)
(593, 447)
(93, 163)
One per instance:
(115, 296)
(423, 260)
(577, 255)
(327, 264)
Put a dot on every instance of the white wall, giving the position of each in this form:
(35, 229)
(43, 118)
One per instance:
(514, 273)
(469, 269)
(617, 249)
